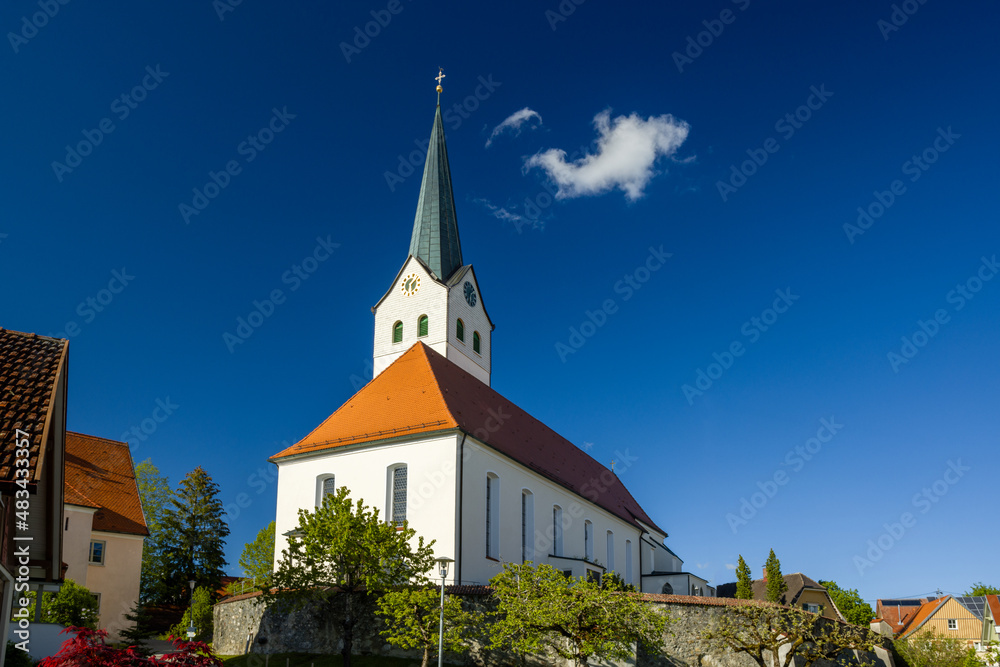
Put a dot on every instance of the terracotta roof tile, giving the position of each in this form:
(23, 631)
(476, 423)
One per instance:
(993, 601)
(99, 474)
(898, 612)
(423, 392)
(30, 366)
(926, 610)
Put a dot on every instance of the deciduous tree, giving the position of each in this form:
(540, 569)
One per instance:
(257, 559)
(155, 494)
(195, 533)
(539, 610)
(412, 617)
(744, 581)
(774, 636)
(199, 614)
(346, 546)
(979, 588)
(929, 649)
(776, 586)
(850, 604)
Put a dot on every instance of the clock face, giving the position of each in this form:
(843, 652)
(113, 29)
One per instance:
(470, 294)
(410, 285)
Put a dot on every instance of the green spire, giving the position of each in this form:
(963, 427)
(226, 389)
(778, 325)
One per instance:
(435, 228)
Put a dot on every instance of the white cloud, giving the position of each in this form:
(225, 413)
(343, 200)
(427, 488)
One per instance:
(702, 566)
(730, 566)
(514, 122)
(627, 149)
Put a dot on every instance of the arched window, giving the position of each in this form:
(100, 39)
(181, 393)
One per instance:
(667, 589)
(475, 342)
(422, 326)
(326, 485)
(460, 330)
(628, 562)
(397, 332)
(492, 516)
(397, 494)
(527, 526)
(611, 551)
(588, 540)
(557, 531)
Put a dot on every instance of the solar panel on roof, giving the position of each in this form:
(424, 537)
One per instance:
(976, 605)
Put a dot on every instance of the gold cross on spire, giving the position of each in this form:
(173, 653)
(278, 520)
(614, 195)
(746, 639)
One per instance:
(438, 78)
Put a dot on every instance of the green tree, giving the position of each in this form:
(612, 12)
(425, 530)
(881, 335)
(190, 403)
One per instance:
(776, 586)
(541, 610)
(155, 495)
(200, 612)
(412, 617)
(979, 588)
(346, 545)
(928, 649)
(257, 559)
(850, 604)
(744, 581)
(72, 605)
(139, 631)
(195, 537)
(763, 630)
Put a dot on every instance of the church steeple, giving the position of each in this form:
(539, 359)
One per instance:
(435, 227)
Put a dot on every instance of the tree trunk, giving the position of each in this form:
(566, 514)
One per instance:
(427, 656)
(348, 626)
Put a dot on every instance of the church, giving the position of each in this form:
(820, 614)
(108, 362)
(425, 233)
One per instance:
(430, 442)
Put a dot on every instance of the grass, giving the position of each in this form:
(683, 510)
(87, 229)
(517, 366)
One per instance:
(314, 660)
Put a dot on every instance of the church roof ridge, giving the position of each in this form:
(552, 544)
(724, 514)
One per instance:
(435, 227)
(422, 392)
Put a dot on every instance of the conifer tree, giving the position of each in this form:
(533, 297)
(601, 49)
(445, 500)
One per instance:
(195, 537)
(744, 582)
(776, 585)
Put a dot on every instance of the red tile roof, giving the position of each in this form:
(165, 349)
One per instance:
(99, 474)
(925, 611)
(994, 603)
(423, 392)
(896, 613)
(30, 368)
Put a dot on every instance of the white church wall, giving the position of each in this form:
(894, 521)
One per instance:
(475, 320)
(430, 299)
(514, 478)
(431, 485)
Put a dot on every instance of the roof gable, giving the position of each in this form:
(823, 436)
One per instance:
(423, 392)
(30, 370)
(99, 474)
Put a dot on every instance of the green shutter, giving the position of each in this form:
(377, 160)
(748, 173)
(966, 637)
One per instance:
(422, 326)
(397, 332)
(475, 342)
(460, 330)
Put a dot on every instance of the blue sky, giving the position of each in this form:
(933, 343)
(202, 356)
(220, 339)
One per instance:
(794, 116)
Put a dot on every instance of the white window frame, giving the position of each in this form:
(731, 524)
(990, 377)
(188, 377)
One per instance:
(557, 530)
(527, 526)
(628, 562)
(610, 565)
(953, 624)
(390, 486)
(588, 540)
(321, 481)
(104, 553)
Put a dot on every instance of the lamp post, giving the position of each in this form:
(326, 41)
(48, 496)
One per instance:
(443, 567)
(191, 631)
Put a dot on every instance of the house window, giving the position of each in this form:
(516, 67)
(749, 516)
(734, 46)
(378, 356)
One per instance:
(97, 599)
(593, 576)
(667, 589)
(397, 332)
(628, 561)
(527, 526)
(808, 606)
(398, 495)
(326, 485)
(611, 551)
(557, 531)
(422, 326)
(475, 342)
(588, 540)
(460, 330)
(97, 552)
(492, 516)
(952, 624)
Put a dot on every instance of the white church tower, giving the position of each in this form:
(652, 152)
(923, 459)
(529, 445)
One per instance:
(435, 298)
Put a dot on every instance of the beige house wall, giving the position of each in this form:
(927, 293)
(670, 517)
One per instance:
(969, 628)
(810, 596)
(77, 523)
(117, 580)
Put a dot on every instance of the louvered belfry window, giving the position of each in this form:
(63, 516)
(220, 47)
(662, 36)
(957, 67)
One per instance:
(397, 332)
(475, 342)
(460, 330)
(422, 326)
(399, 495)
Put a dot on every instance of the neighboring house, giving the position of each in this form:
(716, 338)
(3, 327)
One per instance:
(953, 617)
(803, 593)
(104, 525)
(33, 386)
(990, 619)
(430, 442)
(892, 615)
(672, 580)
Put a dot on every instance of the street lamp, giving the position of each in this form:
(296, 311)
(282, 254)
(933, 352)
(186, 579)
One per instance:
(191, 631)
(443, 568)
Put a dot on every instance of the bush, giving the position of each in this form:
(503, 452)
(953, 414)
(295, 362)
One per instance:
(201, 612)
(88, 647)
(16, 657)
(74, 605)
